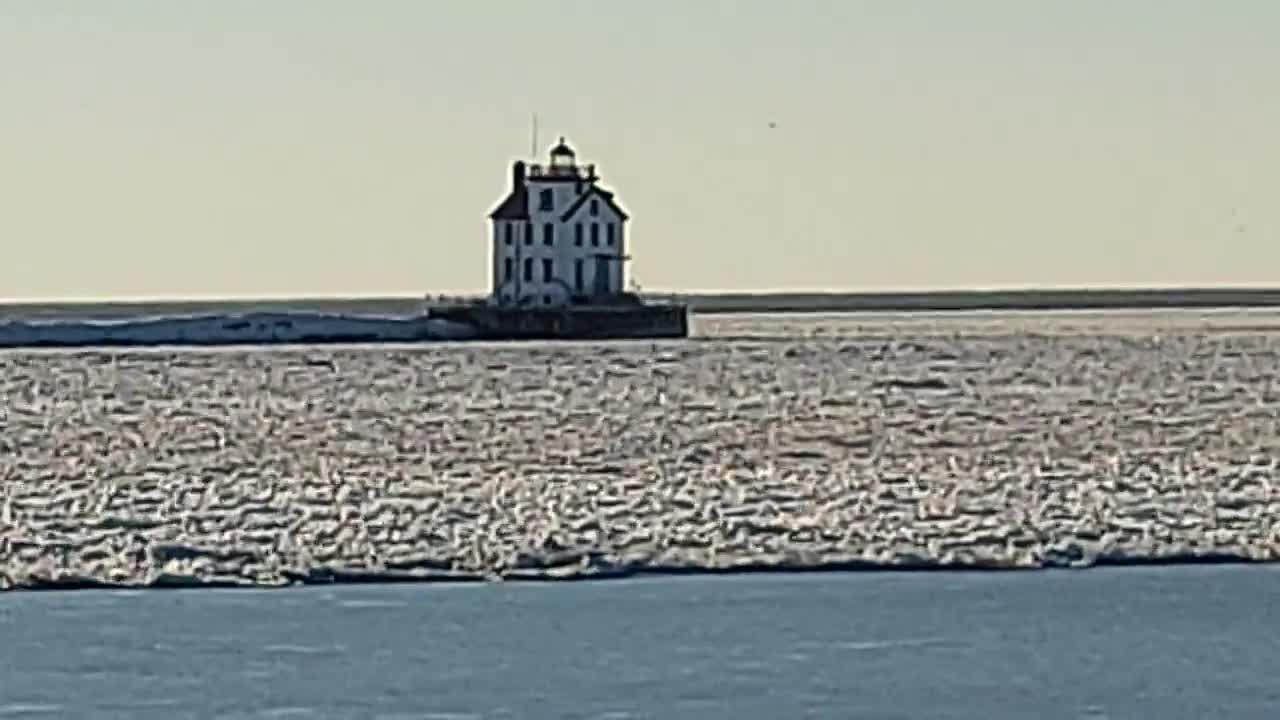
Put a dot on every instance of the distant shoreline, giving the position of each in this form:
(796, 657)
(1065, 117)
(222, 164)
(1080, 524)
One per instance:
(984, 300)
(708, 303)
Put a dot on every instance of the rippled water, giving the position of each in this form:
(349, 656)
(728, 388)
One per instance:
(1184, 643)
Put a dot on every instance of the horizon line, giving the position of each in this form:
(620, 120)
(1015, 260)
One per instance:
(752, 293)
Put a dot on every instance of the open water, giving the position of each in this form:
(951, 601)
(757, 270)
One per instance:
(1167, 643)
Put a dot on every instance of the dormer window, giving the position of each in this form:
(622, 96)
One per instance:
(546, 200)
(595, 207)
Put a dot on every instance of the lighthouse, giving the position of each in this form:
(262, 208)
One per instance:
(558, 238)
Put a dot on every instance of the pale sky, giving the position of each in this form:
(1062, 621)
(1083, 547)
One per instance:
(184, 148)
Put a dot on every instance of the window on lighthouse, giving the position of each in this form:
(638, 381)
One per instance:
(546, 201)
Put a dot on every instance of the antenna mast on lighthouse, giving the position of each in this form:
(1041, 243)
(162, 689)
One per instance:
(533, 139)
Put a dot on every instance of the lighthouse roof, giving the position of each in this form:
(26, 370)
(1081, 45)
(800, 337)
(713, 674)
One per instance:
(594, 191)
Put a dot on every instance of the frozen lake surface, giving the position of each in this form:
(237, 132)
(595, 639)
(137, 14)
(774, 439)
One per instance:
(984, 440)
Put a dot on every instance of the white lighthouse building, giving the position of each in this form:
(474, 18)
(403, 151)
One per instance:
(558, 237)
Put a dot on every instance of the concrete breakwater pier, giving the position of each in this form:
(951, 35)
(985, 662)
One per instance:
(257, 328)
(789, 443)
(452, 323)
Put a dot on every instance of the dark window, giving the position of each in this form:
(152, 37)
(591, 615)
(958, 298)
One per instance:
(548, 234)
(609, 234)
(509, 269)
(546, 299)
(545, 200)
(547, 267)
(528, 233)
(595, 235)
(508, 233)
(577, 276)
(577, 234)
(595, 207)
(528, 269)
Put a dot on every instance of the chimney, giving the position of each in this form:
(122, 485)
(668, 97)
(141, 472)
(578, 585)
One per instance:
(517, 176)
